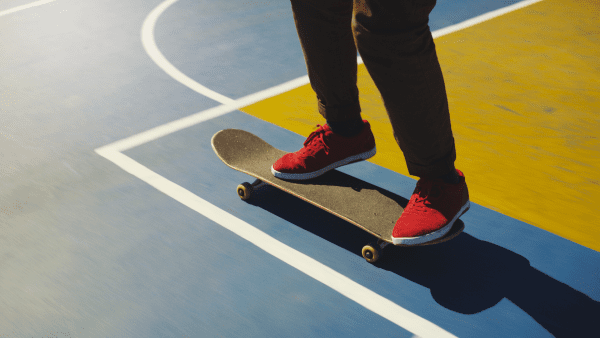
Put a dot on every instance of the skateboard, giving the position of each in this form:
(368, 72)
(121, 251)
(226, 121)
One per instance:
(369, 207)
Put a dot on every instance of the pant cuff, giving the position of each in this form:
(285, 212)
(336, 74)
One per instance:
(440, 168)
(340, 113)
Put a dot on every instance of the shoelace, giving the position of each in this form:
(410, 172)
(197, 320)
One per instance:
(426, 191)
(317, 136)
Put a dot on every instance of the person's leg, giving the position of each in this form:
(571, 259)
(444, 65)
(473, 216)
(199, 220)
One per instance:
(395, 42)
(396, 45)
(325, 32)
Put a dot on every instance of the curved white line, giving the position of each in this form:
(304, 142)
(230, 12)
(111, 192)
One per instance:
(156, 56)
(22, 7)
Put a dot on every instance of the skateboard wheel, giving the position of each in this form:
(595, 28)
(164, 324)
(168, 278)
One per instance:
(244, 190)
(371, 252)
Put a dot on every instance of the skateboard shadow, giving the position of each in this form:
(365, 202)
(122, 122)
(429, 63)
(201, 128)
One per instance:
(466, 275)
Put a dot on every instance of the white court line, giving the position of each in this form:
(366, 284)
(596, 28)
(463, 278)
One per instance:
(188, 121)
(22, 7)
(338, 282)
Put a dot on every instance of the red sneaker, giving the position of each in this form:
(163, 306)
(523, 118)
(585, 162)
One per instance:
(431, 211)
(323, 151)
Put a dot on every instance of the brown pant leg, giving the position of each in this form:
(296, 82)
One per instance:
(395, 43)
(325, 31)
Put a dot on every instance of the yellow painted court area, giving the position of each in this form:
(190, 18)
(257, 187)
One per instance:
(524, 95)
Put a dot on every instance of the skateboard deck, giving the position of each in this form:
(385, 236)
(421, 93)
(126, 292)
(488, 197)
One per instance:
(365, 205)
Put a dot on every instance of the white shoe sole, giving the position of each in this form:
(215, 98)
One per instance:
(431, 236)
(307, 176)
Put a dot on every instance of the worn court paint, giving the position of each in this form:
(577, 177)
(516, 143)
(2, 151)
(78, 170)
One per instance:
(522, 94)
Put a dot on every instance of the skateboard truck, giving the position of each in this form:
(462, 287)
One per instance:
(372, 251)
(245, 189)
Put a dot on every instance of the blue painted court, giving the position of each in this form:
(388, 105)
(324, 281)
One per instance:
(117, 219)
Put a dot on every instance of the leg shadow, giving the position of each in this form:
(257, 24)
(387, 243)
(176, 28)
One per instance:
(466, 275)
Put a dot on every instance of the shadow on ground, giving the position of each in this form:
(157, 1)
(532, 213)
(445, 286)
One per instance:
(466, 275)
